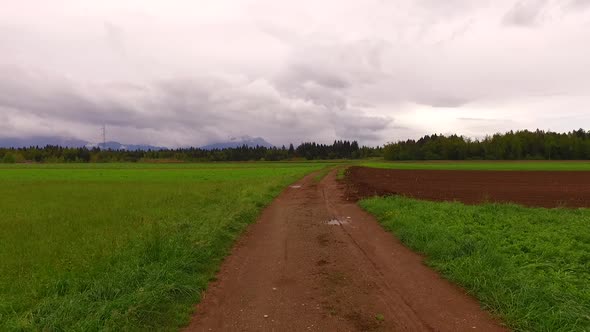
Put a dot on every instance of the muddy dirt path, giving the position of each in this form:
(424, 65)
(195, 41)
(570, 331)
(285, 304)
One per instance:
(316, 262)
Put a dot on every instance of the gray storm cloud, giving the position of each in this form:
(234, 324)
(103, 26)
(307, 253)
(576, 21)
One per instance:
(189, 74)
(525, 13)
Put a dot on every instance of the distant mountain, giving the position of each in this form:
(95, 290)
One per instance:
(41, 141)
(128, 147)
(235, 142)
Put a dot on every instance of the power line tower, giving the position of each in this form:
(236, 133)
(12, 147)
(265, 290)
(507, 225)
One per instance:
(104, 137)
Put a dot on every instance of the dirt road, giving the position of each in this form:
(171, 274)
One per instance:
(316, 262)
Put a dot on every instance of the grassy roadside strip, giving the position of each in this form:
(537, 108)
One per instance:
(341, 174)
(322, 173)
(530, 266)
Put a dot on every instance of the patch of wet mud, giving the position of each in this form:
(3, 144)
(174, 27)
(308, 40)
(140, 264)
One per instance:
(323, 239)
(322, 262)
(363, 322)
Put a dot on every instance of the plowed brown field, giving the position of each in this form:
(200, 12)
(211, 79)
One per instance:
(532, 188)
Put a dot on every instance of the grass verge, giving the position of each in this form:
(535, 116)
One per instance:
(341, 174)
(127, 247)
(322, 174)
(530, 266)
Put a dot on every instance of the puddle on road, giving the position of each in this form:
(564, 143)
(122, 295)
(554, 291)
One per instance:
(337, 222)
(295, 186)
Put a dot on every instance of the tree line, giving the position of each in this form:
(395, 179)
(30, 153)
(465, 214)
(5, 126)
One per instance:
(513, 145)
(309, 151)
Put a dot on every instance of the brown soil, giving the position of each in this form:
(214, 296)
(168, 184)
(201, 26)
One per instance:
(538, 188)
(315, 261)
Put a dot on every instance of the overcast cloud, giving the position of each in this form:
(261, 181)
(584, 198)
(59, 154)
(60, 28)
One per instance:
(180, 73)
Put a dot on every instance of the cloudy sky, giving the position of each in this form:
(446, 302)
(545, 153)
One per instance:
(192, 72)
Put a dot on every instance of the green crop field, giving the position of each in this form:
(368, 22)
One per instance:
(485, 165)
(122, 246)
(530, 266)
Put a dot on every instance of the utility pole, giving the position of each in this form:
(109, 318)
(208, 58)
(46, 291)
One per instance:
(104, 137)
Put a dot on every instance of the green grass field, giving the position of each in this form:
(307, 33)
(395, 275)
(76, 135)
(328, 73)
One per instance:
(485, 165)
(122, 246)
(132, 246)
(530, 266)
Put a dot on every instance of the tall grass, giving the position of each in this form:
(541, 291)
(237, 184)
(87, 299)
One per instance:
(121, 249)
(531, 266)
